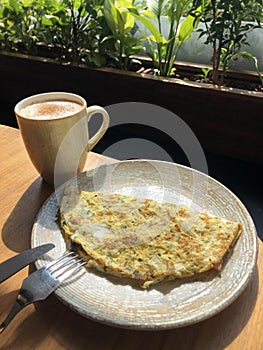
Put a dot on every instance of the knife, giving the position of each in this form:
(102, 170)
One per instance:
(19, 261)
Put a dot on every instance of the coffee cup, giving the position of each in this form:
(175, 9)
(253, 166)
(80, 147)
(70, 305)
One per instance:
(54, 128)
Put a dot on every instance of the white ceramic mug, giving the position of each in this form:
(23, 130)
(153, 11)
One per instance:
(57, 141)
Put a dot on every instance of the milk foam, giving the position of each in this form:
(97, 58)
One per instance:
(50, 110)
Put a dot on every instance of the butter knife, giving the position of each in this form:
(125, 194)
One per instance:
(19, 261)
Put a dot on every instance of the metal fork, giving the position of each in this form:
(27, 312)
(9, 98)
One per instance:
(41, 283)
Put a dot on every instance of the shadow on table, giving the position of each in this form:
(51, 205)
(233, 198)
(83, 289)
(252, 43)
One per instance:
(16, 231)
(53, 323)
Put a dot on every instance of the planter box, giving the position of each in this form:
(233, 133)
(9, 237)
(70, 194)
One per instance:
(227, 122)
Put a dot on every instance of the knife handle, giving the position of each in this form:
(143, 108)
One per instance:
(19, 304)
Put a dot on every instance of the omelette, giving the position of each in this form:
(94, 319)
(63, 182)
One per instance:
(143, 239)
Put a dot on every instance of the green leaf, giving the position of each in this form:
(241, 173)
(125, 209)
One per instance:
(248, 55)
(123, 3)
(98, 60)
(77, 4)
(158, 7)
(14, 5)
(50, 20)
(178, 9)
(186, 28)
(119, 19)
(127, 21)
(27, 3)
(146, 13)
(158, 38)
(111, 16)
(120, 23)
(163, 50)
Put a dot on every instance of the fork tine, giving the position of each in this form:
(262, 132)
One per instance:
(64, 266)
(62, 262)
(66, 254)
(69, 270)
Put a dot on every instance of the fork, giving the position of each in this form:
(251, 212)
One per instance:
(41, 283)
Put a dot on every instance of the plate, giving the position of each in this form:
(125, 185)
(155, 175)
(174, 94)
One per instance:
(172, 304)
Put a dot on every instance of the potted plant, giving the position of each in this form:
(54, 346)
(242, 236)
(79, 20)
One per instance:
(223, 122)
(226, 28)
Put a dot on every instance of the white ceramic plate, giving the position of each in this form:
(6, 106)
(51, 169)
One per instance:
(172, 304)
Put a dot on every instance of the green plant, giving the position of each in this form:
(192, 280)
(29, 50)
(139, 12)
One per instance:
(75, 26)
(226, 25)
(182, 21)
(247, 55)
(205, 74)
(121, 22)
(73, 29)
(19, 24)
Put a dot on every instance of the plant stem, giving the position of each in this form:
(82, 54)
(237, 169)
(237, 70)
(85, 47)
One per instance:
(216, 48)
(120, 53)
(169, 58)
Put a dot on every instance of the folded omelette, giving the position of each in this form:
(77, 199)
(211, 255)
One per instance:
(141, 238)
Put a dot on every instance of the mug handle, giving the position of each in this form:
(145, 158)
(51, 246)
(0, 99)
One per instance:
(103, 128)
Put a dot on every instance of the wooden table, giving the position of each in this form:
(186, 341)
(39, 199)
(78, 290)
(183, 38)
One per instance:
(51, 325)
